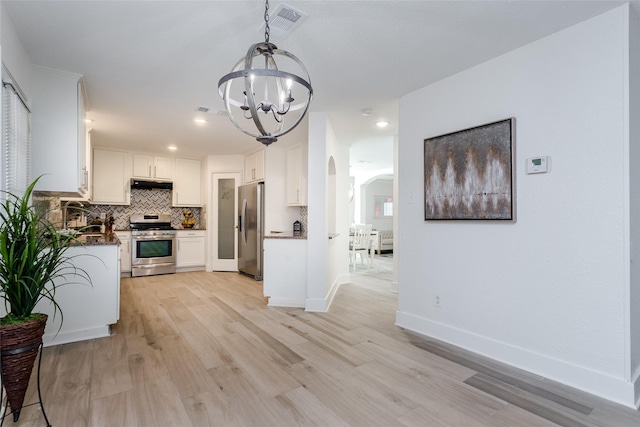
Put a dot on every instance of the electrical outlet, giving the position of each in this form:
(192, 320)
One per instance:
(437, 301)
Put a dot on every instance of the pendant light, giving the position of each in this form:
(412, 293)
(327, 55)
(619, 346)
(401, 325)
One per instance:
(259, 94)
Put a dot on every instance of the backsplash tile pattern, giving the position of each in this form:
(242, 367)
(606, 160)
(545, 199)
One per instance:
(303, 220)
(145, 202)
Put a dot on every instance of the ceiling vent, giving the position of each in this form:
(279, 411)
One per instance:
(211, 111)
(283, 20)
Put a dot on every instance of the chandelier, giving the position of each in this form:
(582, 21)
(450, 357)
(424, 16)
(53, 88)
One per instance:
(263, 95)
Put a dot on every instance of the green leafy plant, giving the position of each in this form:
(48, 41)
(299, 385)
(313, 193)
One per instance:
(33, 263)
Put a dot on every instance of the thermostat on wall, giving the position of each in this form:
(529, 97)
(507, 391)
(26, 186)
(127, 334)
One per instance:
(538, 164)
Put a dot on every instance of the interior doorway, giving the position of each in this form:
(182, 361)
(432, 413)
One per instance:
(224, 227)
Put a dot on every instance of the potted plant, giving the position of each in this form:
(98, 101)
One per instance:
(33, 265)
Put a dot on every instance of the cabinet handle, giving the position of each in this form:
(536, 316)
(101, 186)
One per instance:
(155, 171)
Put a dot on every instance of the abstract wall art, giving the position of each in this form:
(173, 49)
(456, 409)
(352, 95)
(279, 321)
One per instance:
(468, 174)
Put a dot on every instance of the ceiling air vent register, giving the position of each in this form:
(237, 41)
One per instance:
(284, 19)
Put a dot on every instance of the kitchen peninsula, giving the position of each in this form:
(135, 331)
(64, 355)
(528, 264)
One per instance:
(88, 309)
(285, 269)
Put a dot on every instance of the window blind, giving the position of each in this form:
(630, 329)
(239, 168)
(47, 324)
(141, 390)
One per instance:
(16, 142)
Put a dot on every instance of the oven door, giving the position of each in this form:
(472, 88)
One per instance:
(151, 250)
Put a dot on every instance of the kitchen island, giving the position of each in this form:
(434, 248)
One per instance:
(88, 309)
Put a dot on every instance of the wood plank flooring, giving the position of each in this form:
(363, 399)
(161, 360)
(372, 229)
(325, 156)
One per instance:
(203, 349)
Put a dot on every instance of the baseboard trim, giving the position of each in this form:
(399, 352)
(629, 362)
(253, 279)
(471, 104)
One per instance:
(602, 385)
(75, 336)
(286, 302)
(323, 304)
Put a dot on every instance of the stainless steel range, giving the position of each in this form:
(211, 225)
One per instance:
(153, 245)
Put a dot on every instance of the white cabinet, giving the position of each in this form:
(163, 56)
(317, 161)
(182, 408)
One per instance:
(285, 272)
(58, 132)
(297, 176)
(147, 166)
(125, 251)
(87, 172)
(187, 183)
(111, 177)
(254, 167)
(88, 309)
(191, 247)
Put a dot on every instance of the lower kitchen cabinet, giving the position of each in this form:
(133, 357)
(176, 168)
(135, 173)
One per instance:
(125, 251)
(191, 247)
(88, 309)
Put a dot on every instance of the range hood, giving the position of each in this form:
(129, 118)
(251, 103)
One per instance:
(147, 184)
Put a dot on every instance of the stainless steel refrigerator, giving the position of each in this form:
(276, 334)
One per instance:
(250, 229)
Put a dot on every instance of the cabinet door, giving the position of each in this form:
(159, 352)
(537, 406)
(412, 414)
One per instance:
(142, 166)
(58, 131)
(162, 168)
(147, 166)
(111, 177)
(296, 177)
(190, 251)
(187, 183)
(254, 167)
(125, 251)
(249, 168)
(259, 165)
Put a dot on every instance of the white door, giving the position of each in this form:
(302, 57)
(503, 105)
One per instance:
(224, 236)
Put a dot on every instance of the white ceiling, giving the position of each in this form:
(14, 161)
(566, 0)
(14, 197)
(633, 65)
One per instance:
(149, 65)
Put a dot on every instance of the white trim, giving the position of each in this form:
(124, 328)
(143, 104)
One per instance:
(286, 302)
(597, 383)
(323, 304)
(77, 335)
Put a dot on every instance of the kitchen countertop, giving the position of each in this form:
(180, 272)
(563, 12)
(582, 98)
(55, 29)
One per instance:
(284, 235)
(96, 239)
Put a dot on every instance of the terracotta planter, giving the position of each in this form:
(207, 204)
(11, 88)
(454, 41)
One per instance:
(19, 345)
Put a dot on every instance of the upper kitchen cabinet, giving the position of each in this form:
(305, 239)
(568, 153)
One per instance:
(147, 166)
(111, 177)
(187, 189)
(254, 167)
(297, 176)
(58, 132)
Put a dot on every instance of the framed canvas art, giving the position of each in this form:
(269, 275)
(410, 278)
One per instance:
(468, 174)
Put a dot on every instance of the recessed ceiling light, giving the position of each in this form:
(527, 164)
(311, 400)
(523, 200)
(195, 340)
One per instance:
(88, 121)
(172, 147)
(367, 112)
(200, 121)
(382, 124)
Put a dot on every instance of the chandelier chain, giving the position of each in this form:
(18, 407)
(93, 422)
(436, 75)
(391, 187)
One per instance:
(267, 30)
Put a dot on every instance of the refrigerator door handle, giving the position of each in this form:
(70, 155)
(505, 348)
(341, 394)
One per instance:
(243, 227)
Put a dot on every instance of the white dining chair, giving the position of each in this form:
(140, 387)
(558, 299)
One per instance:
(360, 243)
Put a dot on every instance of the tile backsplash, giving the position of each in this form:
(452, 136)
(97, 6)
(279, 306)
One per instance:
(146, 202)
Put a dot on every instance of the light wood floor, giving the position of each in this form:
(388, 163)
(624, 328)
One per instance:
(203, 349)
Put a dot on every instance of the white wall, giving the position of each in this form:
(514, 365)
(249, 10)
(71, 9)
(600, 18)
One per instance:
(634, 192)
(328, 259)
(550, 292)
(14, 57)
(377, 187)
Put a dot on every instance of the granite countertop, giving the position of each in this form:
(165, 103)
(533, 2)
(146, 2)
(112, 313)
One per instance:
(96, 239)
(283, 235)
